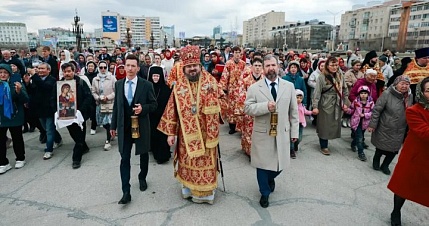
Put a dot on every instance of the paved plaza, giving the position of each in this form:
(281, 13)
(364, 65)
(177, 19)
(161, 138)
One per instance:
(316, 189)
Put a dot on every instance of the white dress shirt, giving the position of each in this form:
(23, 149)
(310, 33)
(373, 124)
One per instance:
(133, 86)
(269, 84)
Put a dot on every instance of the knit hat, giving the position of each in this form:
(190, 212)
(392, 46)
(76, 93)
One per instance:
(7, 68)
(383, 58)
(401, 78)
(299, 92)
(292, 63)
(364, 89)
(423, 52)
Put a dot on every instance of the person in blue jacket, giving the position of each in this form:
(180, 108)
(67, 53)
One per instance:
(295, 77)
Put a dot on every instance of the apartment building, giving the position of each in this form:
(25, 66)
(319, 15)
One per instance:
(257, 29)
(305, 35)
(13, 34)
(417, 29)
(366, 26)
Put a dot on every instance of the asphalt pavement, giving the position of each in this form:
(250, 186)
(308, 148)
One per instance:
(316, 190)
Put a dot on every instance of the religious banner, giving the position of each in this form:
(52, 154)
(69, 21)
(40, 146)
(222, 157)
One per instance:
(66, 99)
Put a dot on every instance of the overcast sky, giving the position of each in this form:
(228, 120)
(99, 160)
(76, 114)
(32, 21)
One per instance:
(192, 17)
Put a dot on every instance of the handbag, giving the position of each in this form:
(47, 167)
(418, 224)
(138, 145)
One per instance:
(106, 108)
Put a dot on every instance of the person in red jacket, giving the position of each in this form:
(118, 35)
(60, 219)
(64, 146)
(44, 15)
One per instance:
(369, 80)
(410, 180)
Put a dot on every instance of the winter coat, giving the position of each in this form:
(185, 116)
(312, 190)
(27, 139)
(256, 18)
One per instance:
(302, 112)
(363, 82)
(18, 101)
(388, 120)
(41, 90)
(410, 179)
(351, 77)
(313, 78)
(272, 153)
(108, 88)
(298, 83)
(357, 108)
(328, 102)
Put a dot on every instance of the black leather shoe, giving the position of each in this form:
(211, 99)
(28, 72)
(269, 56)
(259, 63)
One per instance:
(365, 146)
(143, 185)
(76, 165)
(272, 184)
(264, 201)
(385, 170)
(232, 131)
(126, 198)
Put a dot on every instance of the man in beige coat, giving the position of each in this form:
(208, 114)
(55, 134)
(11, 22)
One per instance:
(270, 155)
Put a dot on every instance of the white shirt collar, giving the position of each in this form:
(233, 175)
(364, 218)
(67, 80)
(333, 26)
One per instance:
(134, 80)
(269, 81)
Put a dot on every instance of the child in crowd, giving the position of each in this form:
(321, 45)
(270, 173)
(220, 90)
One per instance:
(361, 111)
(302, 112)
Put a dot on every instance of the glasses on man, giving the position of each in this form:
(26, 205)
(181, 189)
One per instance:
(102, 67)
(12, 52)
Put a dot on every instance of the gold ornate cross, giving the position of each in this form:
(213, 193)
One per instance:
(182, 91)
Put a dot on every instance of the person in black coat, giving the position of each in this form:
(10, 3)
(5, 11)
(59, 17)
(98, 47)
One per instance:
(134, 96)
(40, 88)
(84, 98)
(159, 145)
(52, 61)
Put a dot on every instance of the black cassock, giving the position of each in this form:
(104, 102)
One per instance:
(159, 146)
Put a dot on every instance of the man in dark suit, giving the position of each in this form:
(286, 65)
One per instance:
(133, 96)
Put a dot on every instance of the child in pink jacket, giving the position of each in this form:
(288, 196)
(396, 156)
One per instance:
(302, 112)
(361, 111)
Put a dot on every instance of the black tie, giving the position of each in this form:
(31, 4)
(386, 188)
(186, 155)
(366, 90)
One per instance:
(273, 90)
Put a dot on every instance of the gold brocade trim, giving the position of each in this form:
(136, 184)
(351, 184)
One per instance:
(212, 143)
(210, 110)
(197, 187)
(201, 194)
(194, 136)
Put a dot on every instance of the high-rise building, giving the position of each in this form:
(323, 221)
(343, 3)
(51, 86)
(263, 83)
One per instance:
(366, 26)
(13, 34)
(115, 27)
(217, 31)
(256, 30)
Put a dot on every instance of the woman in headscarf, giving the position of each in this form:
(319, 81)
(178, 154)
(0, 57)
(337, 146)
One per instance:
(410, 179)
(388, 124)
(13, 96)
(120, 72)
(159, 145)
(329, 101)
(103, 91)
(212, 66)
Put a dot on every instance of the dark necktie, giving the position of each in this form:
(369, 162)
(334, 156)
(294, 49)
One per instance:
(273, 90)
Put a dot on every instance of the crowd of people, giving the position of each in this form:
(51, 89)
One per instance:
(184, 95)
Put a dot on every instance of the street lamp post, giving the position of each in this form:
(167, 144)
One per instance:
(221, 41)
(78, 31)
(165, 41)
(174, 42)
(334, 31)
(129, 36)
(151, 40)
